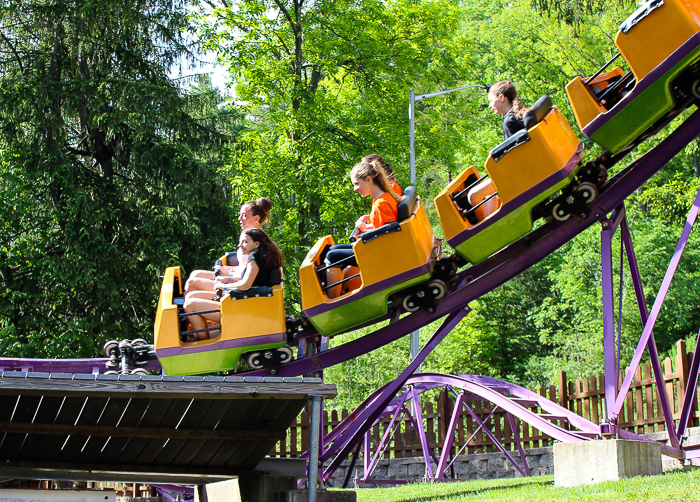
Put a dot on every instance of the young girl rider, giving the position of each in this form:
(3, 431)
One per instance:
(263, 256)
(368, 179)
(253, 214)
(503, 100)
(387, 169)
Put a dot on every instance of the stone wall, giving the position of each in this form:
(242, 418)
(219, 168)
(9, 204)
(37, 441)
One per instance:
(486, 465)
(467, 467)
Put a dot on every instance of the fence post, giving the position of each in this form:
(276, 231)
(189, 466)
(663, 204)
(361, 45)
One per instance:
(563, 390)
(683, 370)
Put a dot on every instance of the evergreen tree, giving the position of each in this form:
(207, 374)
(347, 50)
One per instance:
(108, 171)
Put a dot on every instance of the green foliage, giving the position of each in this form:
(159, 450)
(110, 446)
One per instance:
(323, 84)
(108, 172)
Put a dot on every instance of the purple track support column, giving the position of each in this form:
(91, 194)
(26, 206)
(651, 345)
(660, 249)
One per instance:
(656, 309)
(388, 433)
(346, 440)
(611, 364)
(644, 315)
(449, 437)
(367, 453)
(690, 391)
(351, 467)
(518, 444)
(418, 425)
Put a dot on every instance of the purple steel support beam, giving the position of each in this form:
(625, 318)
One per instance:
(367, 452)
(476, 431)
(449, 437)
(351, 467)
(620, 298)
(644, 315)
(418, 425)
(611, 364)
(518, 444)
(474, 387)
(345, 442)
(665, 449)
(656, 309)
(690, 391)
(497, 442)
(388, 433)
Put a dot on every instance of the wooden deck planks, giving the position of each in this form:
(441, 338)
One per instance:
(173, 427)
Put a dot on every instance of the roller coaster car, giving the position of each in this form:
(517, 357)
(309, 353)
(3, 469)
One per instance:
(252, 321)
(479, 216)
(391, 258)
(661, 44)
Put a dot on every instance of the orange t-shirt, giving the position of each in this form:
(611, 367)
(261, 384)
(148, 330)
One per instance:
(396, 187)
(384, 210)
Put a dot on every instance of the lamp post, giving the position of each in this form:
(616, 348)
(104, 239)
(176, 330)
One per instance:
(412, 98)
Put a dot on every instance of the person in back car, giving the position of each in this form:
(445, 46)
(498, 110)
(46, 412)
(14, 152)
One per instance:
(263, 257)
(504, 100)
(253, 214)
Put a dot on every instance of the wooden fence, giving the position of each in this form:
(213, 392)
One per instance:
(641, 414)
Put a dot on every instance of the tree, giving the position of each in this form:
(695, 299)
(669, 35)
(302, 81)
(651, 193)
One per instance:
(324, 83)
(108, 171)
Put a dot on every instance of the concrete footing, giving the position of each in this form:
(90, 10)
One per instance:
(321, 496)
(265, 488)
(588, 462)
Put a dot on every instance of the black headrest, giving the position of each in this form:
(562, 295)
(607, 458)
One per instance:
(537, 112)
(229, 260)
(276, 276)
(408, 205)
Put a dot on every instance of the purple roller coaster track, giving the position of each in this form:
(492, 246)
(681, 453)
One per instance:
(471, 283)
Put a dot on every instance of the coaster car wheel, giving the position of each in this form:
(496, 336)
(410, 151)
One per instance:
(255, 360)
(560, 213)
(139, 341)
(110, 346)
(437, 289)
(410, 304)
(139, 371)
(285, 354)
(587, 191)
(111, 372)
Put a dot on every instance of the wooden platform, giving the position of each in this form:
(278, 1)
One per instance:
(167, 429)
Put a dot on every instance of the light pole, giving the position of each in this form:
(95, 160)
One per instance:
(412, 98)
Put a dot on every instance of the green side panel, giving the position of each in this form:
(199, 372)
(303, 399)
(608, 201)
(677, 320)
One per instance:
(507, 230)
(360, 311)
(630, 122)
(196, 363)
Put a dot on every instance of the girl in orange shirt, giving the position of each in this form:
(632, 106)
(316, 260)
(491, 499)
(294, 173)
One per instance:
(368, 179)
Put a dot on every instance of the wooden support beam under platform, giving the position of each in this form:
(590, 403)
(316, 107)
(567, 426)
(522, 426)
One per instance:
(146, 428)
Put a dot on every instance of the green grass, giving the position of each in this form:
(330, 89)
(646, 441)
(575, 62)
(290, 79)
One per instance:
(677, 486)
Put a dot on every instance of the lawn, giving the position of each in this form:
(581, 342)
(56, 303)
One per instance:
(677, 486)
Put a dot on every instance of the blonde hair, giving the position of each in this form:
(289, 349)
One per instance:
(385, 165)
(374, 170)
(507, 88)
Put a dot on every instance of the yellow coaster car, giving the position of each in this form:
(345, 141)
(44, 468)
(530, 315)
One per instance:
(251, 322)
(661, 44)
(479, 216)
(391, 259)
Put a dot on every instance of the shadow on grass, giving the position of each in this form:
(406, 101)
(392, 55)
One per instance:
(473, 491)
